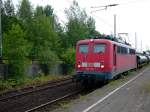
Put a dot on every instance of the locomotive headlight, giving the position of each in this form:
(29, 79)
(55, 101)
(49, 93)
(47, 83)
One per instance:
(79, 66)
(91, 40)
(102, 66)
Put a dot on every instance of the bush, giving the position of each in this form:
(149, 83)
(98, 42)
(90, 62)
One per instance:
(4, 85)
(16, 48)
(69, 60)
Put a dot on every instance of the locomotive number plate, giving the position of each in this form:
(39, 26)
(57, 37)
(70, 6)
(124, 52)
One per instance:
(90, 64)
(84, 64)
(96, 64)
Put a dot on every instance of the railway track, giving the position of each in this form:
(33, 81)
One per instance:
(38, 97)
(53, 101)
(25, 91)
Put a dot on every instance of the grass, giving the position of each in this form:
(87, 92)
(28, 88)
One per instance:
(82, 97)
(64, 104)
(11, 84)
(41, 79)
(5, 85)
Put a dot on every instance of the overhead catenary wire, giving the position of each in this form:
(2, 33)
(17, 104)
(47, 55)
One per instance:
(104, 7)
(102, 20)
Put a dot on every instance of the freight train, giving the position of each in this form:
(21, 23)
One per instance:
(142, 59)
(104, 58)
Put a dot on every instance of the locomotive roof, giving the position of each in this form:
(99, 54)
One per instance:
(103, 41)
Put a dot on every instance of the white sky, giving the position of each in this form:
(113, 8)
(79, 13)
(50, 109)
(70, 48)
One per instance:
(132, 16)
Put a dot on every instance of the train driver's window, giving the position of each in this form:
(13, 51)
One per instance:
(99, 48)
(83, 48)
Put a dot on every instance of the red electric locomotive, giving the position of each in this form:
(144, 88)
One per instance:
(103, 59)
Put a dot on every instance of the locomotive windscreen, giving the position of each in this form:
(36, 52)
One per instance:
(98, 48)
(83, 48)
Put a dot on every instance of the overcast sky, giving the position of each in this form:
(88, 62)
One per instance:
(132, 16)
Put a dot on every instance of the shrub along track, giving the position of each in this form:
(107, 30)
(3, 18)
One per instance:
(27, 98)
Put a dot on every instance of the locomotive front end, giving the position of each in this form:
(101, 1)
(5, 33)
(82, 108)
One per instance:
(93, 60)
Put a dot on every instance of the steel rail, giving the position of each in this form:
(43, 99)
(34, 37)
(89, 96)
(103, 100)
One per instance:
(51, 102)
(55, 84)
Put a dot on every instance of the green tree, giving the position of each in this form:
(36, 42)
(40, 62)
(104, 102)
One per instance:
(8, 21)
(25, 11)
(39, 11)
(45, 39)
(9, 8)
(91, 26)
(69, 59)
(16, 48)
(79, 26)
(61, 37)
(48, 10)
(8, 16)
(25, 15)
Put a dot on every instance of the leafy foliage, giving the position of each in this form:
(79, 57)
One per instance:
(79, 25)
(16, 49)
(25, 15)
(69, 59)
(44, 40)
(9, 8)
(48, 10)
(25, 11)
(8, 21)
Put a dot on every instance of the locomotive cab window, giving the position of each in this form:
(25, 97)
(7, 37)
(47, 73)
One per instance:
(99, 48)
(83, 48)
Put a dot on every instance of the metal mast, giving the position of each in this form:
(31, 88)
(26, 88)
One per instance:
(115, 26)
